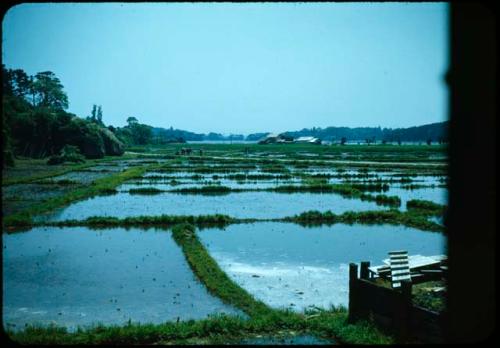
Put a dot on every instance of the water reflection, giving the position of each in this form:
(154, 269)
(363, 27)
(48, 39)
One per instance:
(77, 276)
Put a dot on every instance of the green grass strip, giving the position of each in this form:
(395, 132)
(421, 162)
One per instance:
(208, 271)
(425, 207)
(147, 221)
(215, 329)
(309, 218)
(393, 216)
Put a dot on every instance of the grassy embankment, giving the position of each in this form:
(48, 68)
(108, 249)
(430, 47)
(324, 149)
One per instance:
(394, 217)
(423, 207)
(310, 218)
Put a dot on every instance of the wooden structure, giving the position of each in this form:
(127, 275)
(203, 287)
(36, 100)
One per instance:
(400, 269)
(392, 308)
(422, 268)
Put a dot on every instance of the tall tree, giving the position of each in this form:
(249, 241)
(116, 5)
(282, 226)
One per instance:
(49, 90)
(93, 114)
(21, 83)
(99, 115)
(132, 120)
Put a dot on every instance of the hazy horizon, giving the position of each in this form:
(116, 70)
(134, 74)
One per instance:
(240, 68)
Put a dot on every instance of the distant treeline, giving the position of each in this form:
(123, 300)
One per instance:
(435, 132)
(174, 135)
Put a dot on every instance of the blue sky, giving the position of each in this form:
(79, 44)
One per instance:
(240, 68)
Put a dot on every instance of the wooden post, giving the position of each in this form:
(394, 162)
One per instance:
(364, 272)
(404, 311)
(353, 298)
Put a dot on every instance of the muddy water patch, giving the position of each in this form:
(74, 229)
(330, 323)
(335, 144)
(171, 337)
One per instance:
(77, 276)
(83, 177)
(286, 265)
(18, 197)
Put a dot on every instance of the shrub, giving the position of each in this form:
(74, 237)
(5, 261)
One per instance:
(69, 153)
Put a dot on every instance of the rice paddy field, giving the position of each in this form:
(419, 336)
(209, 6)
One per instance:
(234, 244)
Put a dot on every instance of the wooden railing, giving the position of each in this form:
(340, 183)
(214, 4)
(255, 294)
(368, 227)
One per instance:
(391, 308)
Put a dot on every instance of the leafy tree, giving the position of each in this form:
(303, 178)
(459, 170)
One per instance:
(7, 87)
(49, 91)
(68, 153)
(343, 140)
(99, 115)
(93, 114)
(135, 133)
(20, 83)
(96, 115)
(44, 128)
(142, 134)
(7, 154)
(132, 121)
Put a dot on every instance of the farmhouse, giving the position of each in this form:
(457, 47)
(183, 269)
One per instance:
(276, 138)
(310, 140)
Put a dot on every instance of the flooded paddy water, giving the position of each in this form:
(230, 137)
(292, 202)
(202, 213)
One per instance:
(286, 265)
(239, 204)
(77, 276)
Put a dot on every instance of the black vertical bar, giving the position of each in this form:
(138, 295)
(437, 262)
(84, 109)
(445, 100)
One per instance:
(472, 197)
(364, 272)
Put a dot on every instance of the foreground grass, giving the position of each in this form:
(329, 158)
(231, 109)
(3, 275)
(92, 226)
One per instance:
(216, 329)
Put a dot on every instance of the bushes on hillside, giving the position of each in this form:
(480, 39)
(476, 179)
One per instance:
(69, 153)
(35, 123)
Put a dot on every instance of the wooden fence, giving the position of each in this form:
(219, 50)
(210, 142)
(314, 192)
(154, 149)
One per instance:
(391, 308)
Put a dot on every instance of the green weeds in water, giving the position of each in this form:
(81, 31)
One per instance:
(425, 207)
(210, 189)
(392, 201)
(62, 182)
(217, 220)
(145, 191)
(395, 217)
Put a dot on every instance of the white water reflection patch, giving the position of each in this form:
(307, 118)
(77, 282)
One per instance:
(287, 265)
(297, 286)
